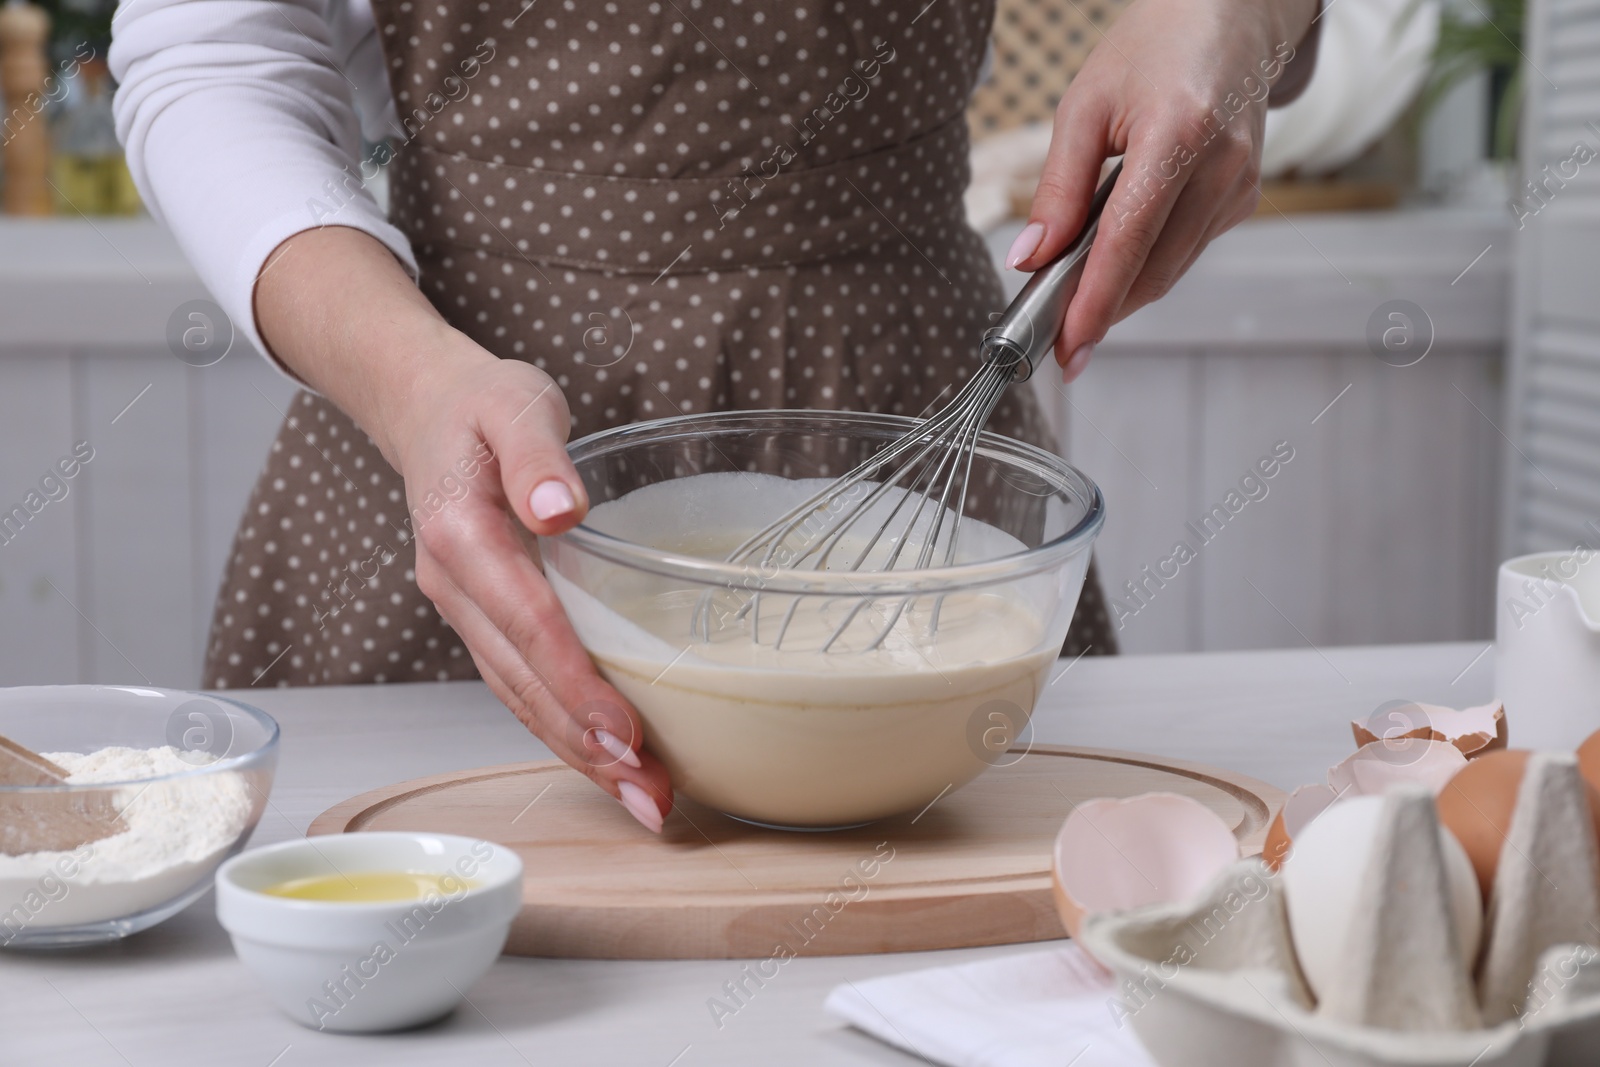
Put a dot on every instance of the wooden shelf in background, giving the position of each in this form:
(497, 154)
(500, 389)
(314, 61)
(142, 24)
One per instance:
(1307, 197)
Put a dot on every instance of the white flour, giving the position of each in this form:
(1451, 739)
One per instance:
(178, 831)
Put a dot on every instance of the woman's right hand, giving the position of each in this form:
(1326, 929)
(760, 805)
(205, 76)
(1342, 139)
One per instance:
(446, 413)
(1180, 90)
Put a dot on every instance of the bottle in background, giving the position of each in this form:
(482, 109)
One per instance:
(24, 133)
(90, 174)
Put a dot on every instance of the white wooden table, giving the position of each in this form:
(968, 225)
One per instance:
(176, 995)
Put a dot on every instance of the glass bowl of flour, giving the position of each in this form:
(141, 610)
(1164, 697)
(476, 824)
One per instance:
(172, 782)
(889, 688)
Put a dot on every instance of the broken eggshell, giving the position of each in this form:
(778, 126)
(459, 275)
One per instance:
(1589, 760)
(1113, 854)
(1377, 767)
(1372, 770)
(1478, 804)
(1303, 805)
(1474, 731)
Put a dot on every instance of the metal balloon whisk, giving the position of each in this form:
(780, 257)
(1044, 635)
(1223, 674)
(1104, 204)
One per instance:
(903, 507)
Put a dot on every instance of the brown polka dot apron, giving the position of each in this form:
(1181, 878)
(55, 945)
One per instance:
(670, 207)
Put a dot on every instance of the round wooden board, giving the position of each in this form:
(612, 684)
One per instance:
(973, 868)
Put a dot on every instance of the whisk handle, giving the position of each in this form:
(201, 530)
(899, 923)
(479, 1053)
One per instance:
(1029, 327)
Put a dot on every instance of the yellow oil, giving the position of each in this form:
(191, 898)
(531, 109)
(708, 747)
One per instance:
(370, 887)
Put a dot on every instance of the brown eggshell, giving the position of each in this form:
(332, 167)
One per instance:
(1589, 760)
(1069, 910)
(1113, 854)
(1303, 805)
(1476, 731)
(1276, 847)
(1478, 803)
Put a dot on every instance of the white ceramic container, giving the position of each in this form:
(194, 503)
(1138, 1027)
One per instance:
(370, 966)
(1547, 647)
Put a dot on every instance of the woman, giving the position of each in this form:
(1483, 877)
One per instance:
(607, 213)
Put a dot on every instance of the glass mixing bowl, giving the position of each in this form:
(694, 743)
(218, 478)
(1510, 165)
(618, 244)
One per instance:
(828, 727)
(176, 826)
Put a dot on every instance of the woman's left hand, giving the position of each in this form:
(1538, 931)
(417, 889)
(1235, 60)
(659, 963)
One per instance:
(1179, 89)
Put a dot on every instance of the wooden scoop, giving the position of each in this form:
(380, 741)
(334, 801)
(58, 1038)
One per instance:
(48, 821)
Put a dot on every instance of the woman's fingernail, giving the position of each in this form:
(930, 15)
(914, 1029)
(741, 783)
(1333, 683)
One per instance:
(1076, 362)
(550, 499)
(616, 749)
(1026, 244)
(639, 804)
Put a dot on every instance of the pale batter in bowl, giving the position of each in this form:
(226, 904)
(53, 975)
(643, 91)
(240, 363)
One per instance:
(809, 738)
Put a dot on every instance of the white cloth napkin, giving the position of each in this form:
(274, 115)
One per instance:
(1039, 1009)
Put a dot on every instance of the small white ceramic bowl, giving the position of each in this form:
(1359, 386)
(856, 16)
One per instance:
(357, 967)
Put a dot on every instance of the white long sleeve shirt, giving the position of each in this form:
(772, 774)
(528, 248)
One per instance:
(236, 116)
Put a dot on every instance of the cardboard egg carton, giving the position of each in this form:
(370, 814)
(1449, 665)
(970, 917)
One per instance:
(1214, 982)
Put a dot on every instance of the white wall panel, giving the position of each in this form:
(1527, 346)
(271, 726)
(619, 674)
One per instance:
(1129, 426)
(39, 628)
(1265, 577)
(139, 560)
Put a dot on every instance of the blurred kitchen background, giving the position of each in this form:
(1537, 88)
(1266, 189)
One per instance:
(1413, 311)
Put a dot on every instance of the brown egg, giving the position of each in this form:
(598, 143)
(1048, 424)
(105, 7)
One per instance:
(1478, 803)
